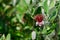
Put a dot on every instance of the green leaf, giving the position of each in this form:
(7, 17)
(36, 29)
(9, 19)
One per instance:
(3, 37)
(52, 4)
(52, 14)
(44, 31)
(19, 16)
(18, 34)
(22, 6)
(8, 37)
(1, 1)
(14, 19)
(59, 33)
(52, 10)
(45, 6)
(28, 27)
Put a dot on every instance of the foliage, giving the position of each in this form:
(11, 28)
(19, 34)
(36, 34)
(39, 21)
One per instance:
(17, 18)
(5, 38)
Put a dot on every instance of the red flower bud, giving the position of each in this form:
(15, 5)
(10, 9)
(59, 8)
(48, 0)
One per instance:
(38, 18)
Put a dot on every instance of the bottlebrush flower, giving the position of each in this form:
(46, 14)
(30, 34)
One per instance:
(39, 19)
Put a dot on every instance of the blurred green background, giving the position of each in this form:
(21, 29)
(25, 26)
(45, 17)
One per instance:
(17, 19)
